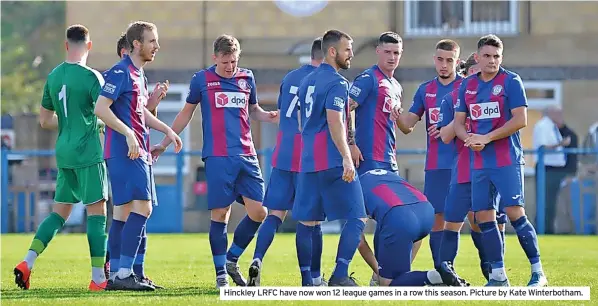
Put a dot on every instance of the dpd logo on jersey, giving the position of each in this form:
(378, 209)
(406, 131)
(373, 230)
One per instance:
(488, 110)
(230, 99)
(434, 115)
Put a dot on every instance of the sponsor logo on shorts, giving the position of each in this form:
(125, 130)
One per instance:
(230, 99)
(434, 115)
(481, 111)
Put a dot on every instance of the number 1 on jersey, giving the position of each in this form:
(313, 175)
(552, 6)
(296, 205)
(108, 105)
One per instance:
(62, 96)
(293, 106)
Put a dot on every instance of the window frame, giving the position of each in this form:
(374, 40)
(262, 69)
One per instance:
(470, 28)
(174, 106)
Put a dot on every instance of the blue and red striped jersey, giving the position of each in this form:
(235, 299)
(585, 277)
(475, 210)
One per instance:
(383, 190)
(489, 105)
(224, 111)
(376, 94)
(461, 172)
(427, 100)
(287, 153)
(322, 90)
(126, 86)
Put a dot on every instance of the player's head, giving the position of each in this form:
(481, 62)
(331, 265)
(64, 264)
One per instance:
(489, 55)
(77, 39)
(470, 66)
(389, 50)
(122, 48)
(317, 56)
(446, 58)
(227, 50)
(338, 48)
(142, 39)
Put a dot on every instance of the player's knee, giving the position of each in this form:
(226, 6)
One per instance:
(257, 214)
(64, 210)
(309, 223)
(453, 226)
(97, 209)
(514, 212)
(438, 222)
(220, 214)
(384, 282)
(121, 212)
(485, 216)
(501, 227)
(142, 207)
(281, 214)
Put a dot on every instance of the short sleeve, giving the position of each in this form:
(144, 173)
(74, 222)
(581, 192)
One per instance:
(195, 89)
(337, 96)
(361, 88)
(47, 99)
(447, 112)
(460, 105)
(516, 93)
(280, 95)
(116, 79)
(418, 107)
(96, 87)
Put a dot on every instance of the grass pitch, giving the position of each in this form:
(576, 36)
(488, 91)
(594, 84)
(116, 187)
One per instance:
(183, 264)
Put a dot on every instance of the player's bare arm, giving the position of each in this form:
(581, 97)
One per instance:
(181, 121)
(48, 119)
(355, 152)
(368, 255)
(156, 124)
(447, 133)
(517, 122)
(257, 113)
(338, 135)
(407, 121)
(103, 111)
(157, 95)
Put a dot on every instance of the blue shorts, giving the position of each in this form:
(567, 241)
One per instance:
(458, 204)
(370, 164)
(131, 180)
(280, 193)
(324, 195)
(507, 181)
(230, 177)
(399, 229)
(436, 187)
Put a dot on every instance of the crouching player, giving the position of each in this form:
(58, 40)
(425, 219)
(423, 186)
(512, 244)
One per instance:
(404, 216)
(458, 200)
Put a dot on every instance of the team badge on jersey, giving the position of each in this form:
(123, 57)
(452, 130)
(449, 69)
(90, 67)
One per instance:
(497, 89)
(242, 84)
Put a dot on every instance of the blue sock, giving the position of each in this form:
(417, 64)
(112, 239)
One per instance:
(347, 245)
(411, 279)
(244, 233)
(449, 245)
(265, 236)
(316, 251)
(504, 242)
(131, 238)
(218, 244)
(114, 238)
(435, 241)
(528, 239)
(477, 242)
(138, 266)
(492, 244)
(303, 243)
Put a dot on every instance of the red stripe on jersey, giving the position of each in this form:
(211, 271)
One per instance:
(321, 151)
(501, 146)
(380, 121)
(387, 195)
(430, 97)
(219, 147)
(246, 140)
(108, 143)
(472, 86)
(296, 158)
(137, 115)
(418, 194)
(277, 149)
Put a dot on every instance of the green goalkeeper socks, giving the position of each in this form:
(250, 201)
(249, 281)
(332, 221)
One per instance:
(97, 238)
(46, 231)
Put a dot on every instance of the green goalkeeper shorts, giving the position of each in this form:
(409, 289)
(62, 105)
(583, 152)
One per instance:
(88, 185)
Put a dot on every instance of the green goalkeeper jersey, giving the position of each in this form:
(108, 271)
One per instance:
(71, 91)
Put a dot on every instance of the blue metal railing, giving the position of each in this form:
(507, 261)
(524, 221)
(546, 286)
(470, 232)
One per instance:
(7, 155)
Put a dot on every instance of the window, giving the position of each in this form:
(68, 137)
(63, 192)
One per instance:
(460, 17)
(167, 111)
(539, 95)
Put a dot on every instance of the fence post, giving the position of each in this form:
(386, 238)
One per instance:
(180, 179)
(541, 195)
(4, 191)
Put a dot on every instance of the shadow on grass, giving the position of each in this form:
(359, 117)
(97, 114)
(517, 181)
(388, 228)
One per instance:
(58, 293)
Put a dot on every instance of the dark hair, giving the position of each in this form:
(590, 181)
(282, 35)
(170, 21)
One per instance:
(389, 38)
(226, 44)
(135, 31)
(331, 39)
(77, 34)
(464, 66)
(490, 40)
(121, 43)
(448, 45)
(316, 49)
